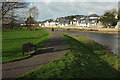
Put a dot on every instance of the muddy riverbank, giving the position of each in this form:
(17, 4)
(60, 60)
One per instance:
(91, 30)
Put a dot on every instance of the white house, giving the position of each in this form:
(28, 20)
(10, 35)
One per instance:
(47, 23)
(41, 24)
(63, 23)
(118, 25)
(23, 24)
(82, 22)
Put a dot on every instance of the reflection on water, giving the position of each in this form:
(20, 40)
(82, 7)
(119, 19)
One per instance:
(110, 40)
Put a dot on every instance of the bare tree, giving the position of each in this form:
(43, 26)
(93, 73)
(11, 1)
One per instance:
(33, 12)
(7, 6)
(8, 13)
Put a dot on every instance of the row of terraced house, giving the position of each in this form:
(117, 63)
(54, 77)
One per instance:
(78, 21)
(82, 21)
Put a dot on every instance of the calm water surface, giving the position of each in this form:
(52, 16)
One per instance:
(110, 40)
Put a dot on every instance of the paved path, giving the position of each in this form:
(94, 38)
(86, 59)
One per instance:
(54, 49)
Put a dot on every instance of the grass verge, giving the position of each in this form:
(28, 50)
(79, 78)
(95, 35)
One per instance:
(86, 59)
(12, 43)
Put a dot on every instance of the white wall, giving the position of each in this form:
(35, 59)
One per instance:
(118, 25)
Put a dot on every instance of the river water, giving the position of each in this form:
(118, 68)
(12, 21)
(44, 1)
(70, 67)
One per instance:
(110, 40)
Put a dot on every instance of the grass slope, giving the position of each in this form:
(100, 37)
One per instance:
(86, 59)
(12, 42)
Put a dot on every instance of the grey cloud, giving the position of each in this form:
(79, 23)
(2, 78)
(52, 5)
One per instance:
(58, 9)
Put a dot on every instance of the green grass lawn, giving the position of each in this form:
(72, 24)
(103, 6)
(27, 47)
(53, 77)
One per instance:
(12, 42)
(85, 59)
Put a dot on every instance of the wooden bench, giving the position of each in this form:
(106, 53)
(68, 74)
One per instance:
(28, 47)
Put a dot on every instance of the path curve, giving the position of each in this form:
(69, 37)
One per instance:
(54, 49)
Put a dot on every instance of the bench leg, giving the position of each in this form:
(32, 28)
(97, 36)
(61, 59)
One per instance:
(29, 52)
(23, 53)
(35, 49)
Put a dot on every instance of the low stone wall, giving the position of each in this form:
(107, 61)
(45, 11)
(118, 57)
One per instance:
(87, 29)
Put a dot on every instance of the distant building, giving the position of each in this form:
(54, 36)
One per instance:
(88, 21)
(22, 24)
(63, 23)
(78, 21)
(118, 25)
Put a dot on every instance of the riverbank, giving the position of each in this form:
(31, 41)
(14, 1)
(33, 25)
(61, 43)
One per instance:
(85, 29)
(85, 59)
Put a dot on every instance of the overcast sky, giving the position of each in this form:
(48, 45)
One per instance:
(62, 0)
(52, 10)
